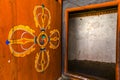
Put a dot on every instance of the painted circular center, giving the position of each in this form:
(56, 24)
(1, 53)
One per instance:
(42, 39)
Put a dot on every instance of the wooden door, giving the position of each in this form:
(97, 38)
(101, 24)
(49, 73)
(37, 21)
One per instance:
(30, 40)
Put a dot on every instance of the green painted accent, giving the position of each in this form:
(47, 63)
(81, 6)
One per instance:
(35, 39)
(43, 6)
(43, 36)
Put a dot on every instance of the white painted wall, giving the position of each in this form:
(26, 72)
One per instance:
(93, 38)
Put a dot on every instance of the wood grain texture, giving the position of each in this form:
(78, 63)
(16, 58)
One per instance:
(16, 12)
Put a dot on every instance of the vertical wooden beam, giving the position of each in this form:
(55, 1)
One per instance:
(118, 44)
(66, 54)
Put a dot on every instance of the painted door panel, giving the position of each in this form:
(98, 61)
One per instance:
(16, 13)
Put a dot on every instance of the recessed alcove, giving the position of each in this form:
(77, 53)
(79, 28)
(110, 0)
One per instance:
(91, 43)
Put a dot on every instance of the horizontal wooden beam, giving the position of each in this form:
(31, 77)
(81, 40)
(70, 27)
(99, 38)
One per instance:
(106, 4)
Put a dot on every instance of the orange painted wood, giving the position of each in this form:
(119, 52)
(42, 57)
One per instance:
(16, 12)
(118, 44)
(106, 4)
(66, 55)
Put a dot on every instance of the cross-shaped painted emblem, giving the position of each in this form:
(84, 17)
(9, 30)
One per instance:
(42, 18)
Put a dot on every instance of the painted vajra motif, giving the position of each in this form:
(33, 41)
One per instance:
(42, 20)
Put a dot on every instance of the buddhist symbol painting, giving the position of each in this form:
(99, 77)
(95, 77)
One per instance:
(27, 42)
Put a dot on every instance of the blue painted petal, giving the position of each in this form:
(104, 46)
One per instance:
(7, 42)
